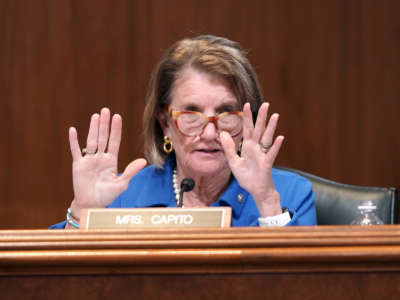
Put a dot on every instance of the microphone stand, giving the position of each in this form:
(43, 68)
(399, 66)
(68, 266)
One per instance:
(180, 201)
(187, 185)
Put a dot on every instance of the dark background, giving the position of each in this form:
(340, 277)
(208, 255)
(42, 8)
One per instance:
(330, 68)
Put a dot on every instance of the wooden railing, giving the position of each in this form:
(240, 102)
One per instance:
(226, 263)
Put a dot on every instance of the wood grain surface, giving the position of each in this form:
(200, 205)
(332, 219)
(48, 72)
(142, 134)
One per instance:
(330, 68)
(192, 251)
(330, 262)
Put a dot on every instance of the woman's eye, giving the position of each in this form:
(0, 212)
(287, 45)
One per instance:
(227, 108)
(191, 108)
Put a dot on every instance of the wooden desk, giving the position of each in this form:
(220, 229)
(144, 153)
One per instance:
(331, 262)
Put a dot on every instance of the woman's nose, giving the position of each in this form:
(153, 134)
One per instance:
(210, 131)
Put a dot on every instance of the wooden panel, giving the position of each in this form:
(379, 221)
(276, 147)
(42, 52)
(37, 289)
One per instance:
(345, 286)
(192, 251)
(331, 68)
(332, 262)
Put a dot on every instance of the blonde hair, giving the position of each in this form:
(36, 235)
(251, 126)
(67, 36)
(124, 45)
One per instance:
(215, 55)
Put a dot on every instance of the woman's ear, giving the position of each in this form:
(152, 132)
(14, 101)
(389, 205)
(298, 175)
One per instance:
(163, 120)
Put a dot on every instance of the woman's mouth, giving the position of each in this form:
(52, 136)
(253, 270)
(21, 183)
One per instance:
(209, 153)
(209, 150)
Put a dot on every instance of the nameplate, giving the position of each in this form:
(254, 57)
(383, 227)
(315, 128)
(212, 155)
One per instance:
(123, 218)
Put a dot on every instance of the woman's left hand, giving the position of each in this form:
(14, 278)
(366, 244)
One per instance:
(253, 168)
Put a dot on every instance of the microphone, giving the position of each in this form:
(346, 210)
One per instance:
(187, 185)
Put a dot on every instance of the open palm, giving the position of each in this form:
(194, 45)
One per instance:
(95, 179)
(253, 168)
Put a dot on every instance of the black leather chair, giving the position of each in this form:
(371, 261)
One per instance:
(336, 203)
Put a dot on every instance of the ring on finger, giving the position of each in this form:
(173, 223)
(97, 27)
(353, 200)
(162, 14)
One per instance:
(85, 151)
(265, 148)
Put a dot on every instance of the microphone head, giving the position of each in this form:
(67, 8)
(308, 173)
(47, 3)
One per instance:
(187, 184)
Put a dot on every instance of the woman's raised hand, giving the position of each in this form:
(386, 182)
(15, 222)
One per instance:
(253, 168)
(95, 179)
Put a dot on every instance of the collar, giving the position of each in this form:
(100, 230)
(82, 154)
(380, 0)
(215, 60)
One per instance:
(156, 186)
(234, 196)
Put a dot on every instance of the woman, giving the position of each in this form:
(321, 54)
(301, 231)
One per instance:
(198, 123)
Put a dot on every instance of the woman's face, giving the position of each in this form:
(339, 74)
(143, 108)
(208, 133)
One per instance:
(198, 91)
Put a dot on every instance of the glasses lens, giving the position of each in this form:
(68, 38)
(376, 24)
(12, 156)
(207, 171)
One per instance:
(231, 123)
(190, 123)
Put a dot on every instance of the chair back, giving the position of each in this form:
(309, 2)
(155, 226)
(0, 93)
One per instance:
(336, 203)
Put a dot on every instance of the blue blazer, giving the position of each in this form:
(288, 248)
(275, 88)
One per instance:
(152, 187)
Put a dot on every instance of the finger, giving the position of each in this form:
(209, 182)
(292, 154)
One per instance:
(103, 130)
(248, 125)
(229, 148)
(269, 132)
(261, 122)
(91, 142)
(115, 135)
(274, 150)
(74, 144)
(132, 169)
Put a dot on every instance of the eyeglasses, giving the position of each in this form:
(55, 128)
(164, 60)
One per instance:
(192, 123)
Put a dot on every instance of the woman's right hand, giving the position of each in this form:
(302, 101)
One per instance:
(95, 174)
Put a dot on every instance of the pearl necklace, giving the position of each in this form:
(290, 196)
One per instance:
(175, 184)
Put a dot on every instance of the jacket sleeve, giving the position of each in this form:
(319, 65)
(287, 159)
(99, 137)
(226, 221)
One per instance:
(297, 195)
(302, 207)
(60, 225)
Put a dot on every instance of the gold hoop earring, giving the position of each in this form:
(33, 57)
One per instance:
(167, 145)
